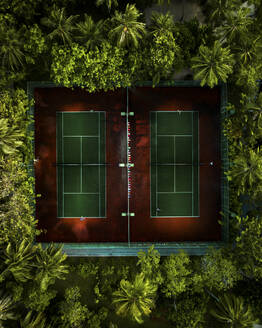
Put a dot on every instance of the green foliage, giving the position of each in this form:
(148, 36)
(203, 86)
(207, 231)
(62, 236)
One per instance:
(235, 26)
(17, 221)
(136, 299)
(14, 106)
(176, 272)
(49, 266)
(149, 264)
(218, 270)
(30, 321)
(18, 261)
(246, 171)
(126, 29)
(233, 312)
(161, 23)
(93, 70)
(60, 25)
(212, 64)
(248, 249)
(6, 307)
(189, 311)
(9, 138)
(73, 313)
(108, 3)
(36, 300)
(89, 33)
(219, 9)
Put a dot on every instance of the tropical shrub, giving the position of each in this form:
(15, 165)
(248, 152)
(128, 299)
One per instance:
(72, 312)
(176, 272)
(6, 308)
(247, 252)
(189, 311)
(233, 312)
(93, 70)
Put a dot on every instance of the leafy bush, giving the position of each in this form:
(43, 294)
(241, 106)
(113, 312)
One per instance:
(189, 311)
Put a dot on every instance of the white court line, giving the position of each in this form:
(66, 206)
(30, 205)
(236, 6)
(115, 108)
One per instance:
(63, 168)
(80, 135)
(81, 170)
(156, 167)
(175, 135)
(81, 193)
(174, 162)
(192, 165)
(99, 210)
(175, 192)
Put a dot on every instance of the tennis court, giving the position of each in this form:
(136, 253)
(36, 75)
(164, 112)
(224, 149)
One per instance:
(81, 164)
(174, 164)
(128, 166)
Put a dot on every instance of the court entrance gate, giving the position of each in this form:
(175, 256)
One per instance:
(171, 132)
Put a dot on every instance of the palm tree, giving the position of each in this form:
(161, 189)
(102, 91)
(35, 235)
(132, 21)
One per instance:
(249, 49)
(11, 48)
(89, 33)
(232, 311)
(212, 65)
(9, 138)
(108, 3)
(161, 23)
(6, 307)
(17, 261)
(61, 25)
(127, 29)
(49, 265)
(135, 299)
(246, 171)
(235, 26)
(219, 9)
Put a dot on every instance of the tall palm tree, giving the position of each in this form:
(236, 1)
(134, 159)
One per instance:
(161, 23)
(212, 65)
(135, 299)
(9, 138)
(62, 26)
(233, 312)
(49, 265)
(6, 307)
(126, 28)
(235, 26)
(89, 33)
(11, 48)
(108, 3)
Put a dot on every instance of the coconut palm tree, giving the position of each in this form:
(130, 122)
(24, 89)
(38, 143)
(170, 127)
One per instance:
(17, 261)
(135, 299)
(108, 3)
(6, 307)
(9, 138)
(161, 23)
(62, 26)
(89, 33)
(126, 28)
(233, 312)
(235, 26)
(49, 264)
(212, 65)
(11, 48)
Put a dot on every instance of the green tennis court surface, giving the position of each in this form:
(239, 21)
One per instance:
(174, 164)
(80, 173)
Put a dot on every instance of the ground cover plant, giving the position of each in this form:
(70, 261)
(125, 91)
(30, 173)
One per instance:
(107, 46)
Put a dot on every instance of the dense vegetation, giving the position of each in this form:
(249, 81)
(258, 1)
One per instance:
(104, 45)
